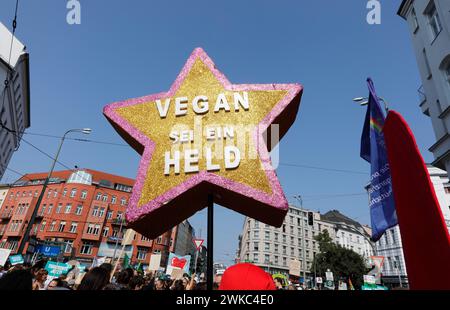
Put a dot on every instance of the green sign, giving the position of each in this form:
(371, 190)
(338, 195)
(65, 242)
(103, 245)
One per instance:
(56, 269)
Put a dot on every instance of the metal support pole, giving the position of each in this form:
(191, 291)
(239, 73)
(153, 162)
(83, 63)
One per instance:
(117, 241)
(210, 253)
(26, 235)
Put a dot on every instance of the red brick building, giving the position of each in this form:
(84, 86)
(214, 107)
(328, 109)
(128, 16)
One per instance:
(81, 210)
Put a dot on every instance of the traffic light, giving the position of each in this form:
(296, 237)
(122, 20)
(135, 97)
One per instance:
(310, 218)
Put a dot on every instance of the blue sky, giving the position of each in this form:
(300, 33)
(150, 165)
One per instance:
(127, 49)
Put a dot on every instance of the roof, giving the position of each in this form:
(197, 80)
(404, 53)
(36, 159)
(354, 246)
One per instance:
(336, 217)
(17, 47)
(97, 176)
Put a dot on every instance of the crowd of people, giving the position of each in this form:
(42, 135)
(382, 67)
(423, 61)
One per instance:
(243, 276)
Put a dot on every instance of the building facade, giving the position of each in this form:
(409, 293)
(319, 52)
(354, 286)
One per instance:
(390, 245)
(15, 95)
(429, 25)
(350, 234)
(83, 211)
(273, 249)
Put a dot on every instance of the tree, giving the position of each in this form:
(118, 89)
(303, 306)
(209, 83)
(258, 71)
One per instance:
(344, 263)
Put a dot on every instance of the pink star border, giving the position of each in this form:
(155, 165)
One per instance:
(276, 200)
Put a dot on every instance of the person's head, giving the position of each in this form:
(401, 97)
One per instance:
(246, 276)
(124, 277)
(54, 283)
(107, 266)
(137, 282)
(17, 280)
(278, 283)
(178, 285)
(41, 275)
(160, 284)
(291, 287)
(185, 281)
(95, 279)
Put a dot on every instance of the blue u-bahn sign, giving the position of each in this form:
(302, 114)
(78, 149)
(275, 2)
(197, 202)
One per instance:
(48, 250)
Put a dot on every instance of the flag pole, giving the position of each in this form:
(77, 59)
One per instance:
(210, 262)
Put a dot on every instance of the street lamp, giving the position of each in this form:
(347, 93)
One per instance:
(26, 235)
(300, 200)
(397, 265)
(364, 101)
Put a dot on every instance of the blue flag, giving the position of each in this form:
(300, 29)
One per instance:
(373, 150)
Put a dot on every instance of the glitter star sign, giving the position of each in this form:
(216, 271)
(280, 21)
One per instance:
(205, 136)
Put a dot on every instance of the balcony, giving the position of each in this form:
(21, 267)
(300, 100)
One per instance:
(118, 222)
(39, 216)
(114, 239)
(422, 95)
(6, 215)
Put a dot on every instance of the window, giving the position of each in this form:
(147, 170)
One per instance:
(73, 192)
(256, 224)
(284, 249)
(83, 194)
(86, 248)
(102, 212)
(266, 259)
(415, 23)
(447, 72)
(266, 246)
(43, 225)
(90, 229)
(105, 197)
(276, 237)
(62, 225)
(284, 261)
(427, 64)
(144, 238)
(95, 211)
(267, 235)
(292, 240)
(276, 248)
(73, 227)
(79, 210)
(256, 257)
(276, 260)
(256, 234)
(49, 192)
(68, 244)
(292, 252)
(159, 240)
(434, 20)
(35, 193)
(109, 214)
(50, 207)
(52, 226)
(255, 246)
(123, 201)
(96, 230)
(105, 231)
(113, 199)
(58, 208)
(99, 196)
(141, 253)
(55, 194)
(68, 207)
(115, 233)
(119, 215)
(284, 238)
(65, 192)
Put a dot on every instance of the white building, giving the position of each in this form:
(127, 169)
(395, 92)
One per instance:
(390, 244)
(15, 98)
(350, 234)
(429, 25)
(273, 248)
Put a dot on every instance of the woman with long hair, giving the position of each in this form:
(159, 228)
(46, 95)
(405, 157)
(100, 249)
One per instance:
(96, 279)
